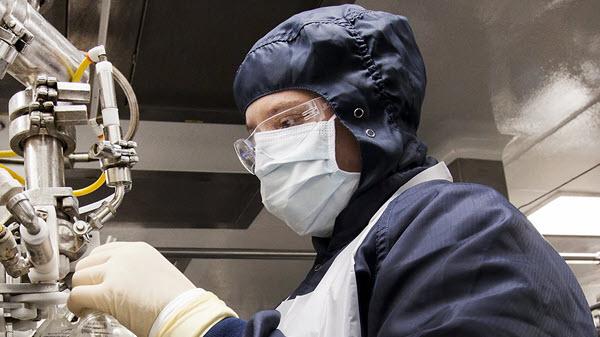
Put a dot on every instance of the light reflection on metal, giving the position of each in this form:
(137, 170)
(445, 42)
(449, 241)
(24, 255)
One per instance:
(252, 254)
(581, 258)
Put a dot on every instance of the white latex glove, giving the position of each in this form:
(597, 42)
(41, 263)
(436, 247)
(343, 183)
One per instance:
(131, 281)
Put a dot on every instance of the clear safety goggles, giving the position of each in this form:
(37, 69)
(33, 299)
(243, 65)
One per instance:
(312, 111)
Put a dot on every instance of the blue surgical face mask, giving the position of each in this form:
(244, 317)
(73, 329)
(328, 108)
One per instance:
(300, 181)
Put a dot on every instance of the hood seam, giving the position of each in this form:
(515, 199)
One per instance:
(369, 63)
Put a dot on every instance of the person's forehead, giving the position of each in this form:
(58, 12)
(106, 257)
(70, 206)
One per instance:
(274, 103)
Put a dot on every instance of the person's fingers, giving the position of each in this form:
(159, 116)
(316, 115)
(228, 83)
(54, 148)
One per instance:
(92, 260)
(87, 298)
(89, 276)
(111, 246)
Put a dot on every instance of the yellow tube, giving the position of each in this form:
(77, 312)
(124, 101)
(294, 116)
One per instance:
(83, 66)
(13, 174)
(84, 191)
(85, 63)
(89, 189)
(7, 154)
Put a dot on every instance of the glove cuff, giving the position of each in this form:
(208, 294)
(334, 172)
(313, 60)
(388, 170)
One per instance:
(191, 314)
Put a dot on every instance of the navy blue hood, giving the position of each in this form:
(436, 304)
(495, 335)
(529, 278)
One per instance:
(368, 67)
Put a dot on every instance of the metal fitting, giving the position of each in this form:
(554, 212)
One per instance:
(95, 53)
(108, 209)
(70, 115)
(119, 154)
(22, 209)
(81, 227)
(119, 175)
(10, 257)
(7, 55)
(103, 150)
(74, 92)
(70, 205)
(71, 243)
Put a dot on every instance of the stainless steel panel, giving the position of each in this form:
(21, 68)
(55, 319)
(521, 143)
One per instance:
(55, 11)
(485, 172)
(561, 157)
(190, 50)
(123, 28)
(249, 286)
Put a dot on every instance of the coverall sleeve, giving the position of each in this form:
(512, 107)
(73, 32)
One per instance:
(263, 324)
(467, 264)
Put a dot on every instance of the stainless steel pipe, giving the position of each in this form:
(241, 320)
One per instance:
(44, 162)
(582, 257)
(49, 53)
(108, 209)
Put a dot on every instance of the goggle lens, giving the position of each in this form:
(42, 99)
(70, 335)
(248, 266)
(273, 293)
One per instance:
(311, 111)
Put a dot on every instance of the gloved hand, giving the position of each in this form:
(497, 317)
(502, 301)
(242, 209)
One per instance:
(133, 282)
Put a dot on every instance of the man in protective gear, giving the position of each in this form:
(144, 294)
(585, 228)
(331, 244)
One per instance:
(332, 98)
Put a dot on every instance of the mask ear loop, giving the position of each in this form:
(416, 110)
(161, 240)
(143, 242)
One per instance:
(331, 134)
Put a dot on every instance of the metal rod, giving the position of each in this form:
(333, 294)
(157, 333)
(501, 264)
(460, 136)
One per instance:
(252, 254)
(132, 103)
(44, 162)
(581, 256)
(104, 16)
(255, 254)
(81, 157)
(102, 37)
(12, 160)
(562, 236)
(138, 41)
(587, 257)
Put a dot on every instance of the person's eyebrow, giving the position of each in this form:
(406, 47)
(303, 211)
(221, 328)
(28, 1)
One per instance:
(277, 108)
(282, 106)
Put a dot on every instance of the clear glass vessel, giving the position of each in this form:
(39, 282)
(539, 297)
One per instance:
(56, 325)
(98, 324)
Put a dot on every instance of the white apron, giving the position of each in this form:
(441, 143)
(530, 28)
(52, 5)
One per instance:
(331, 309)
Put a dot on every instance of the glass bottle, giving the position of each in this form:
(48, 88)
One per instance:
(97, 324)
(56, 325)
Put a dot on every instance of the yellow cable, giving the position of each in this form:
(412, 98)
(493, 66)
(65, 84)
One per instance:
(13, 174)
(85, 63)
(7, 154)
(89, 189)
(83, 66)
